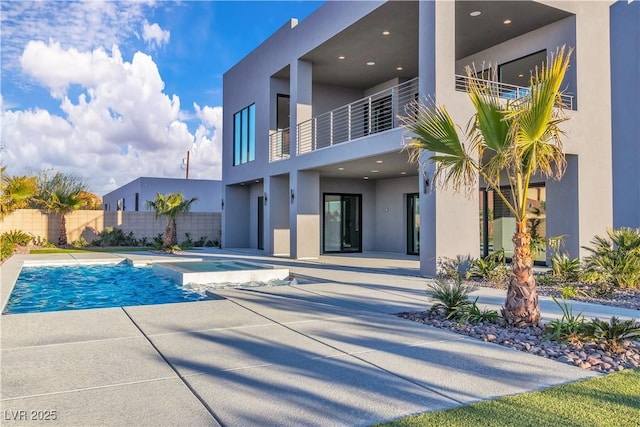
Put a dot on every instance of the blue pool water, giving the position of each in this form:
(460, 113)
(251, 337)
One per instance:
(40, 289)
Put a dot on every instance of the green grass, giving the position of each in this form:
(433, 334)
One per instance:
(613, 400)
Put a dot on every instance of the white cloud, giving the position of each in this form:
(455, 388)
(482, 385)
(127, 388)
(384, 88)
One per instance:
(154, 35)
(84, 25)
(121, 125)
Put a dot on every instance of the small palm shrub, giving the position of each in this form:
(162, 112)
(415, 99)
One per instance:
(564, 268)
(450, 295)
(471, 313)
(17, 237)
(613, 332)
(617, 257)
(569, 328)
(492, 268)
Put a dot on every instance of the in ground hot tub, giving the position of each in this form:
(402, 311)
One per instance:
(209, 272)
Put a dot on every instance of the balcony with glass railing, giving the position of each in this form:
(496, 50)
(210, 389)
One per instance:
(506, 91)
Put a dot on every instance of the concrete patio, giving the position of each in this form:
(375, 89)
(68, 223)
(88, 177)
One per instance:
(325, 352)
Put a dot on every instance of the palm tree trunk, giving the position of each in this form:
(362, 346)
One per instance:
(62, 238)
(174, 233)
(521, 307)
(167, 237)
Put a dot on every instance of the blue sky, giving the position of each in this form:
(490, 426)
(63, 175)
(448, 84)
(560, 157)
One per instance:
(117, 90)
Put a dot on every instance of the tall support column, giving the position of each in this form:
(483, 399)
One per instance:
(301, 99)
(449, 222)
(304, 216)
(278, 208)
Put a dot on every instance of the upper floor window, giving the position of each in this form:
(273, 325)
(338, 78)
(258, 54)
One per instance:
(244, 135)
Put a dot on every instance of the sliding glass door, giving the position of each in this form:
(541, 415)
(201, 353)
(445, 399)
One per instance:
(342, 223)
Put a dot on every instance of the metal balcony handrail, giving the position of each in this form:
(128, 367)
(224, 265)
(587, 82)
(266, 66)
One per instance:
(279, 145)
(373, 114)
(505, 90)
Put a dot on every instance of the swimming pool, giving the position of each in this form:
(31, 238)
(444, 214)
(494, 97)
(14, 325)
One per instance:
(56, 288)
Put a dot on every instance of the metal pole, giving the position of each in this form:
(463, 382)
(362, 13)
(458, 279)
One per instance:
(187, 164)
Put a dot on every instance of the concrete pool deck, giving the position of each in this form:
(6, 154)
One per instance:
(328, 352)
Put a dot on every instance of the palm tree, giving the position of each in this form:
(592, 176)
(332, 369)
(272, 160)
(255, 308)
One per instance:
(16, 193)
(62, 194)
(170, 206)
(516, 139)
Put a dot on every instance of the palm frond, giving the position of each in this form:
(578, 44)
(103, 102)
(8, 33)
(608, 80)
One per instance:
(434, 131)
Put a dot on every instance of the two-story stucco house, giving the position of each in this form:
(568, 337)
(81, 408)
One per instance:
(312, 146)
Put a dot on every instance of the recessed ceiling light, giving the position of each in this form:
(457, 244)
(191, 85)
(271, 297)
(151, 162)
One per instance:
(399, 68)
(366, 177)
(379, 161)
(375, 171)
(520, 75)
(507, 21)
(341, 57)
(371, 63)
(403, 173)
(476, 13)
(385, 33)
(340, 169)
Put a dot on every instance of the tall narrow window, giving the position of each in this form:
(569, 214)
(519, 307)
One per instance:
(244, 135)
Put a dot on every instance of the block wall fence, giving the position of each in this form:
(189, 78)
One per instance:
(89, 224)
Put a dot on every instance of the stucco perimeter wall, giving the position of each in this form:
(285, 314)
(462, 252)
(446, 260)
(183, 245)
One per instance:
(89, 224)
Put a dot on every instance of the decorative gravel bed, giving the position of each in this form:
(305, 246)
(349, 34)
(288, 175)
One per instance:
(594, 356)
(531, 340)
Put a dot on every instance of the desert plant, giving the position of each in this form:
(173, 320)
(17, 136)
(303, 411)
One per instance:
(568, 292)
(617, 256)
(454, 268)
(564, 268)
(471, 313)
(601, 290)
(6, 248)
(449, 294)
(80, 242)
(492, 268)
(511, 141)
(17, 237)
(200, 242)
(569, 328)
(187, 242)
(42, 242)
(613, 332)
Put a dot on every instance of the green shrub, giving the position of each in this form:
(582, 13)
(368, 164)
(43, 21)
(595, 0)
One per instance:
(564, 268)
(601, 290)
(568, 292)
(492, 268)
(17, 237)
(81, 242)
(569, 328)
(158, 241)
(450, 294)
(471, 313)
(6, 248)
(454, 268)
(617, 257)
(112, 236)
(200, 242)
(42, 242)
(612, 332)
